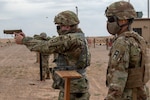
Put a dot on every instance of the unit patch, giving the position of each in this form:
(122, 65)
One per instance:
(115, 56)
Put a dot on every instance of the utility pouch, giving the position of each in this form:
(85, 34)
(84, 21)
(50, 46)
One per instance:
(79, 85)
(135, 78)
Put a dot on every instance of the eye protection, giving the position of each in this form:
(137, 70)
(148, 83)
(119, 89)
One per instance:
(111, 19)
(58, 27)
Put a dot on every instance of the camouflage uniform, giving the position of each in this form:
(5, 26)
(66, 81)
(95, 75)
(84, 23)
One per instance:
(72, 54)
(45, 57)
(125, 71)
(125, 54)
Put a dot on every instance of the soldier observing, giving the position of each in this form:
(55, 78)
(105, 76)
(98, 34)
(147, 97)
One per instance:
(125, 72)
(45, 57)
(72, 53)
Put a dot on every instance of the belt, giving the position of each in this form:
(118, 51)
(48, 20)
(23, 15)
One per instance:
(81, 71)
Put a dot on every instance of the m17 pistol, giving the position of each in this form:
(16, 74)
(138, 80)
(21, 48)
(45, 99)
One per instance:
(12, 31)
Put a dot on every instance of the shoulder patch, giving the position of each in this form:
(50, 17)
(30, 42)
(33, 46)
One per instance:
(116, 54)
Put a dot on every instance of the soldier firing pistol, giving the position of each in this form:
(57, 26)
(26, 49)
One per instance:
(17, 32)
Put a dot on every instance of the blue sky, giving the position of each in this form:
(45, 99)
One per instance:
(36, 16)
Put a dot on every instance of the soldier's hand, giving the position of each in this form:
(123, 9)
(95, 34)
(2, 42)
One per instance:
(19, 37)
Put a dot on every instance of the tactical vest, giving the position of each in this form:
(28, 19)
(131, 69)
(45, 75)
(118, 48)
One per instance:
(77, 56)
(140, 75)
(81, 64)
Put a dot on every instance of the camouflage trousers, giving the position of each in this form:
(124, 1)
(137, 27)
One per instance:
(147, 92)
(45, 71)
(75, 96)
(45, 66)
(139, 93)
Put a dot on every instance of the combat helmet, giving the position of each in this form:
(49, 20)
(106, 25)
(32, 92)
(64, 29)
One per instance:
(66, 18)
(43, 35)
(122, 10)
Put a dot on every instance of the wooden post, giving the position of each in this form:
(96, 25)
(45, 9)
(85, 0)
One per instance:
(67, 75)
(41, 68)
(94, 42)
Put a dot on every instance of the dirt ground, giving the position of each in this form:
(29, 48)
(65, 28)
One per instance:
(20, 79)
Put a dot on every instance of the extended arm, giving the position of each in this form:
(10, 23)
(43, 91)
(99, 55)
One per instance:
(58, 44)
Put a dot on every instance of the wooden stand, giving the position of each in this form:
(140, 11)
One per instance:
(67, 75)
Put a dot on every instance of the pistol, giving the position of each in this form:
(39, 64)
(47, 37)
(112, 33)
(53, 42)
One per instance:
(12, 31)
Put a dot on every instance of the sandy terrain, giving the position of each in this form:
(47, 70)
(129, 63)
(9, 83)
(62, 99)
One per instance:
(20, 79)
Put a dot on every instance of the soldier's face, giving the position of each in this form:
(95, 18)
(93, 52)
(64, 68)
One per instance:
(112, 25)
(63, 29)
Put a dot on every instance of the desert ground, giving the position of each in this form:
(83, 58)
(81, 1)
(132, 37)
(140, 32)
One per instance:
(20, 74)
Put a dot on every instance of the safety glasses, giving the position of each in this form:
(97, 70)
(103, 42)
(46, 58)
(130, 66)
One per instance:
(112, 19)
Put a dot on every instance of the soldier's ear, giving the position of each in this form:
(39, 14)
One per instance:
(123, 21)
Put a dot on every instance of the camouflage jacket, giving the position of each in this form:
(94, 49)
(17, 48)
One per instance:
(125, 54)
(70, 45)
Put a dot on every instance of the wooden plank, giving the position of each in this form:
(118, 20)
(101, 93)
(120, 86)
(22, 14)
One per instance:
(68, 74)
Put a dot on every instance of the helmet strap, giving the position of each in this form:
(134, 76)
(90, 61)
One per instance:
(126, 24)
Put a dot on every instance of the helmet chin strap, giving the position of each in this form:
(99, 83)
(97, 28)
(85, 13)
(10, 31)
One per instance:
(121, 26)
